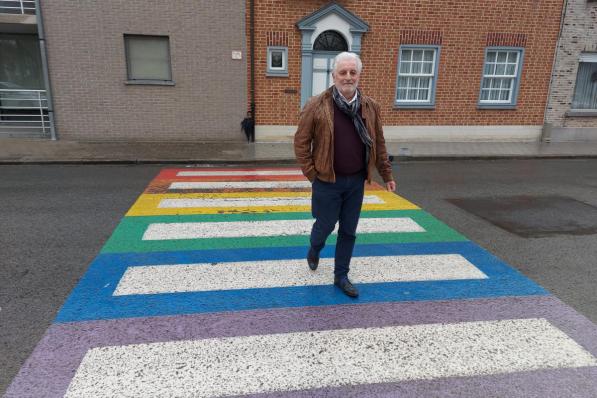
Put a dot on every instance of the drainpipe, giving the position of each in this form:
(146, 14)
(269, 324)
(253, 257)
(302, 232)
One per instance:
(547, 127)
(252, 60)
(44, 63)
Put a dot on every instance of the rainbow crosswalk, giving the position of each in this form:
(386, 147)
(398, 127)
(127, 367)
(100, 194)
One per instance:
(203, 291)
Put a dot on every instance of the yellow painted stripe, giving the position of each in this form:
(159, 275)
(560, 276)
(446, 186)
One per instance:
(147, 204)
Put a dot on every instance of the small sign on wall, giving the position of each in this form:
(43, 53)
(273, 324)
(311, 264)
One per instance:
(237, 55)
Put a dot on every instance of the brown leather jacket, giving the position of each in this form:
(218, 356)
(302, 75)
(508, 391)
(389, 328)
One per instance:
(314, 139)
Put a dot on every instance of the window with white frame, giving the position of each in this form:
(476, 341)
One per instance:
(148, 58)
(417, 73)
(277, 61)
(585, 91)
(501, 75)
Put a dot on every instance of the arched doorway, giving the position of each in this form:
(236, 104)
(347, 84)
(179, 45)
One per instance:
(325, 48)
(325, 33)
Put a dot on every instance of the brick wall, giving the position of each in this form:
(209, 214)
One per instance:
(88, 70)
(463, 27)
(579, 33)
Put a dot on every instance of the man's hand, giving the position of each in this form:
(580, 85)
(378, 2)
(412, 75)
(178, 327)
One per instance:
(391, 186)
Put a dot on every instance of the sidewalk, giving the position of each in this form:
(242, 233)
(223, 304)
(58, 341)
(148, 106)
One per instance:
(44, 151)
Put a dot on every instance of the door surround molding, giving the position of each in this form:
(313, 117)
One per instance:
(331, 17)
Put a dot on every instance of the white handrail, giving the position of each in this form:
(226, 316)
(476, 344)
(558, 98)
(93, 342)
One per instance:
(24, 112)
(17, 6)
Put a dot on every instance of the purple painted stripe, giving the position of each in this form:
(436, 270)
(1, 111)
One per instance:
(55, 360)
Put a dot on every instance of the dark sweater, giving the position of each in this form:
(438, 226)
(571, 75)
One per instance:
(349, 150)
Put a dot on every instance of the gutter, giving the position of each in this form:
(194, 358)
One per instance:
(547, 127)
(252, 59)
(45, 70)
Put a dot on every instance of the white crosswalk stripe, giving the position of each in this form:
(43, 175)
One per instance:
(207, 173)
(195, 230)
(281, 273)
(250, 202)
(239, 184)
(303, 360)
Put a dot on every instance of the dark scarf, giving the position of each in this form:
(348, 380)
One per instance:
(352, 111)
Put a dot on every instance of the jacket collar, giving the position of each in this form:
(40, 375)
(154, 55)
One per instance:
(327, 100)
(327, 94)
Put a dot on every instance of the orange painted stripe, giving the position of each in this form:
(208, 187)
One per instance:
(162, 186)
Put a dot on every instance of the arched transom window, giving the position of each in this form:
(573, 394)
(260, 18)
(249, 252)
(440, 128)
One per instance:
(330, 41)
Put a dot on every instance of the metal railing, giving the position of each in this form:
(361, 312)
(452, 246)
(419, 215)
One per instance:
(24, 113)
(17, 6)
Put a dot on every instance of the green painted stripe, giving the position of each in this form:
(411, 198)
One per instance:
(128, 235)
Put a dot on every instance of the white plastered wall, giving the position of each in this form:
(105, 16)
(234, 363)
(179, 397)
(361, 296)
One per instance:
(332, 22)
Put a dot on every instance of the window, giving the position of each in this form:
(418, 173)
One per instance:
(585, 91)
(277, 61)
(148, 59)
(20, 62)
(417, 75)
(501, 77)
(330, 41)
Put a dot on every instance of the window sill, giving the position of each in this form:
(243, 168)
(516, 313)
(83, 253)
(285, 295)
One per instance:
(276, 74)
(582, 112)
(495, 107)
(150, 82)
(414, 106)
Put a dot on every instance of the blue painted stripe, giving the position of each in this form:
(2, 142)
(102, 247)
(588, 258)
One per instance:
(471, 251)
(92, 298)
(274, 253)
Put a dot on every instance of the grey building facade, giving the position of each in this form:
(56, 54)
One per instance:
(144, 71)
(571, 113)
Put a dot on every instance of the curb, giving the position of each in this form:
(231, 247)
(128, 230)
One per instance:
(393, 158)
(148, 161)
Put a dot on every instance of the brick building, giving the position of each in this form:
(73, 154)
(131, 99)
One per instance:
(572, 109)
(452, 71)
(461, 70)
(132, 70)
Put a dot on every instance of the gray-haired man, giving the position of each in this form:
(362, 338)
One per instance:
(338, 142)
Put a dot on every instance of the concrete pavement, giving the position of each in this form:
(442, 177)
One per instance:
(44, 151)
(160, 311)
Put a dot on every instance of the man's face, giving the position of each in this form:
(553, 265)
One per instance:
(346, 77)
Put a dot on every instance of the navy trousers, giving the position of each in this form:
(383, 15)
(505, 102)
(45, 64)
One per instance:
(337, 202)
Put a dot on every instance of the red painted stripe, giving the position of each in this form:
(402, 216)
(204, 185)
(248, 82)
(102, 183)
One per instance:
(171, 173)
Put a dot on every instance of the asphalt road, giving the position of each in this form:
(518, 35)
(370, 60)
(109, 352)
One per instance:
(56, 218)
(564, 264)
(54, 221)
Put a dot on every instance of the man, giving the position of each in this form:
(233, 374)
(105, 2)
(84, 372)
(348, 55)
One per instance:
(248, 126)
(338, 142)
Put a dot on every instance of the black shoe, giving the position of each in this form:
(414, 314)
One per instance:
(312, 259)
(346, 287)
